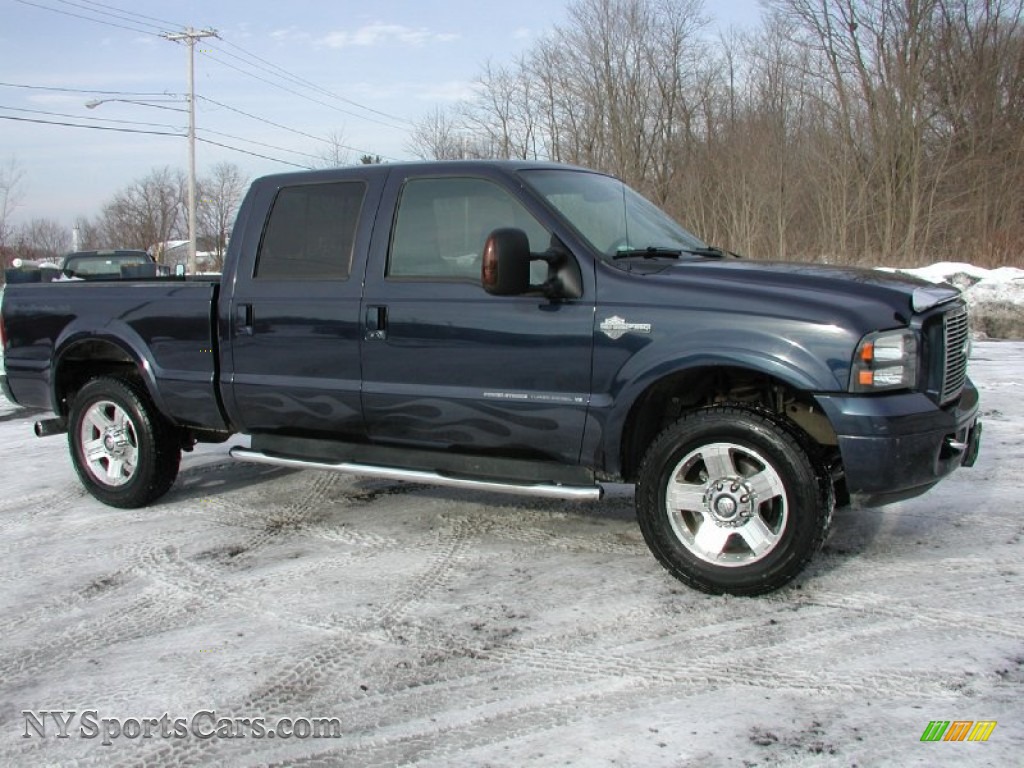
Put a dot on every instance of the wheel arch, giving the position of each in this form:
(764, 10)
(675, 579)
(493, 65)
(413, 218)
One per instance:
(83, 356)
(664, 398)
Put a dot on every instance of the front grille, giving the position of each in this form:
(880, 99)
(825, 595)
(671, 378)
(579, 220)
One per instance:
(956, 346)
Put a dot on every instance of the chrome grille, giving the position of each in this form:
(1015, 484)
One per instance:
(956, 346)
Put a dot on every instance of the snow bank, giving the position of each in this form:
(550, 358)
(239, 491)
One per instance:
(995, 296)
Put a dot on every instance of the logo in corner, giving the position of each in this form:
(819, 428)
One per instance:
(959, 730)
(616, 327)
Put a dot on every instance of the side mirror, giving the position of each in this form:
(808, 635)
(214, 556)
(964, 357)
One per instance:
(505, 270)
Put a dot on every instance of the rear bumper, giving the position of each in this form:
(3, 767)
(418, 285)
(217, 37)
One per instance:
(898, 446)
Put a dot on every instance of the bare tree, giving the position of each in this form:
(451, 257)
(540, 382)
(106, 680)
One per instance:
(12, 179)
(146, 214)
(977, 91)
(220, 195)
(503, 116)
(439, 136)
(842, 130)
(90, 236)
(335, 153)
(42, 239)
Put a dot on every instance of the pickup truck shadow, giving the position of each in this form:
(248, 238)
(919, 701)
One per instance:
(853, 530)
(21, 413)
(222, 477)
(852, 533)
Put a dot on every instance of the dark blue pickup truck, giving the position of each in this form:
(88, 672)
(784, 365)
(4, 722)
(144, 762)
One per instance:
(521, 327)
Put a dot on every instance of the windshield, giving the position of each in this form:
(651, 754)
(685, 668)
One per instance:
(610, 216)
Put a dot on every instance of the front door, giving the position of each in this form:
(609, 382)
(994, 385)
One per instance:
(448, 366)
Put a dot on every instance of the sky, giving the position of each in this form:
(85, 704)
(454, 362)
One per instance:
(279, 79)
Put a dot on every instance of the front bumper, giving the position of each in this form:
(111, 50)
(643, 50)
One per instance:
(898, 446)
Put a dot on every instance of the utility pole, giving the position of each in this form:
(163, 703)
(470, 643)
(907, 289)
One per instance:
(189, 36)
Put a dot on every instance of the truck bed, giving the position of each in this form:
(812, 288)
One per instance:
(164, 328)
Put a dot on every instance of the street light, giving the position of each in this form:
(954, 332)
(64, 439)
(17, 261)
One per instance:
(147, 103)
(191, 160)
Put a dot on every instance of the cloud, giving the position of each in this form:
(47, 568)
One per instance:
(385, 34)
(451, 91)
(405, 91)
(289, 34)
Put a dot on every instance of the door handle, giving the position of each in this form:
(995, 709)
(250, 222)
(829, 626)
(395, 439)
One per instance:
(243, 319)
(376, 323)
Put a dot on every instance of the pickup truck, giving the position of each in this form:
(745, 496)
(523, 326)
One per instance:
(108, 265)
(86, 265)
(511, 326)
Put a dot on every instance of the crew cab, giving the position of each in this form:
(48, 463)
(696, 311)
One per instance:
(533, 328)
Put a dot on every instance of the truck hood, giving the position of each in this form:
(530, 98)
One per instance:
(847, 286)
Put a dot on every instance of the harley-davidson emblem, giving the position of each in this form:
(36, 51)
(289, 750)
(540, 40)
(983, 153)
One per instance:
(616, 327)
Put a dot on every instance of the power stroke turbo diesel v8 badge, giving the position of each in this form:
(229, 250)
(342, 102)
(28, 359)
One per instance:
(616, 327)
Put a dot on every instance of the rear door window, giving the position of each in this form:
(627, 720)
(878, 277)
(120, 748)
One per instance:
(311, 232)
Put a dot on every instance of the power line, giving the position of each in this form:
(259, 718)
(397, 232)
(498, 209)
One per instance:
(148, 133)
(208, 55)
(263, 119)
(254, 154)
(94, 119)
(124, 15)
(89, 90)
(164, 22)
(287, 128)
(257, 118)
(121, 16)
(132, 21)
(87, 18)
(222, 105)
(257, 143)
(89, 127)
(284, 73)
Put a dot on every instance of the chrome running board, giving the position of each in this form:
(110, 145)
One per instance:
(541, 490)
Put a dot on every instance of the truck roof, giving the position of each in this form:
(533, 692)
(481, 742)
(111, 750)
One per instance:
(422, 167)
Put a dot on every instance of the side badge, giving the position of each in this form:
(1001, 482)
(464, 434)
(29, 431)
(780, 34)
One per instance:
(616, 327)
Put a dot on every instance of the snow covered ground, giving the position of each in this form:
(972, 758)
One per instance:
(447, 628)
(995, 296)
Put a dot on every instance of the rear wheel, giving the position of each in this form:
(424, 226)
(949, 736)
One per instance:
(729, 501)
(125, 452)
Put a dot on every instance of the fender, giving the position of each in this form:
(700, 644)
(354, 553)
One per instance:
(783, 357)
(118, 334)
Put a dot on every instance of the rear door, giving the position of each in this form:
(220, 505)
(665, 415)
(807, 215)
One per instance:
(293, 318)
(446, 365)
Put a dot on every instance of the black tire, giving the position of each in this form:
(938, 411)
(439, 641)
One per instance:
(747, 476)
(125, 452)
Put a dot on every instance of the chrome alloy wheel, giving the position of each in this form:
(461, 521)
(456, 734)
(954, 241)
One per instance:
(726, 504)
(109, 442)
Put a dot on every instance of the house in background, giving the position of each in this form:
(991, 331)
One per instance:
(175, 252)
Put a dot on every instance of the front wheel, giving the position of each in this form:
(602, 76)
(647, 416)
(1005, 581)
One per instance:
(729, 501)
(125, 452)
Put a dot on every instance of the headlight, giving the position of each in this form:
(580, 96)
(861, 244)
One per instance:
(885, 360)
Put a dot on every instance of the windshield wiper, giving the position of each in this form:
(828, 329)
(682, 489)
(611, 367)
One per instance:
(650, 252)
(712, 252)
(661, 251)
